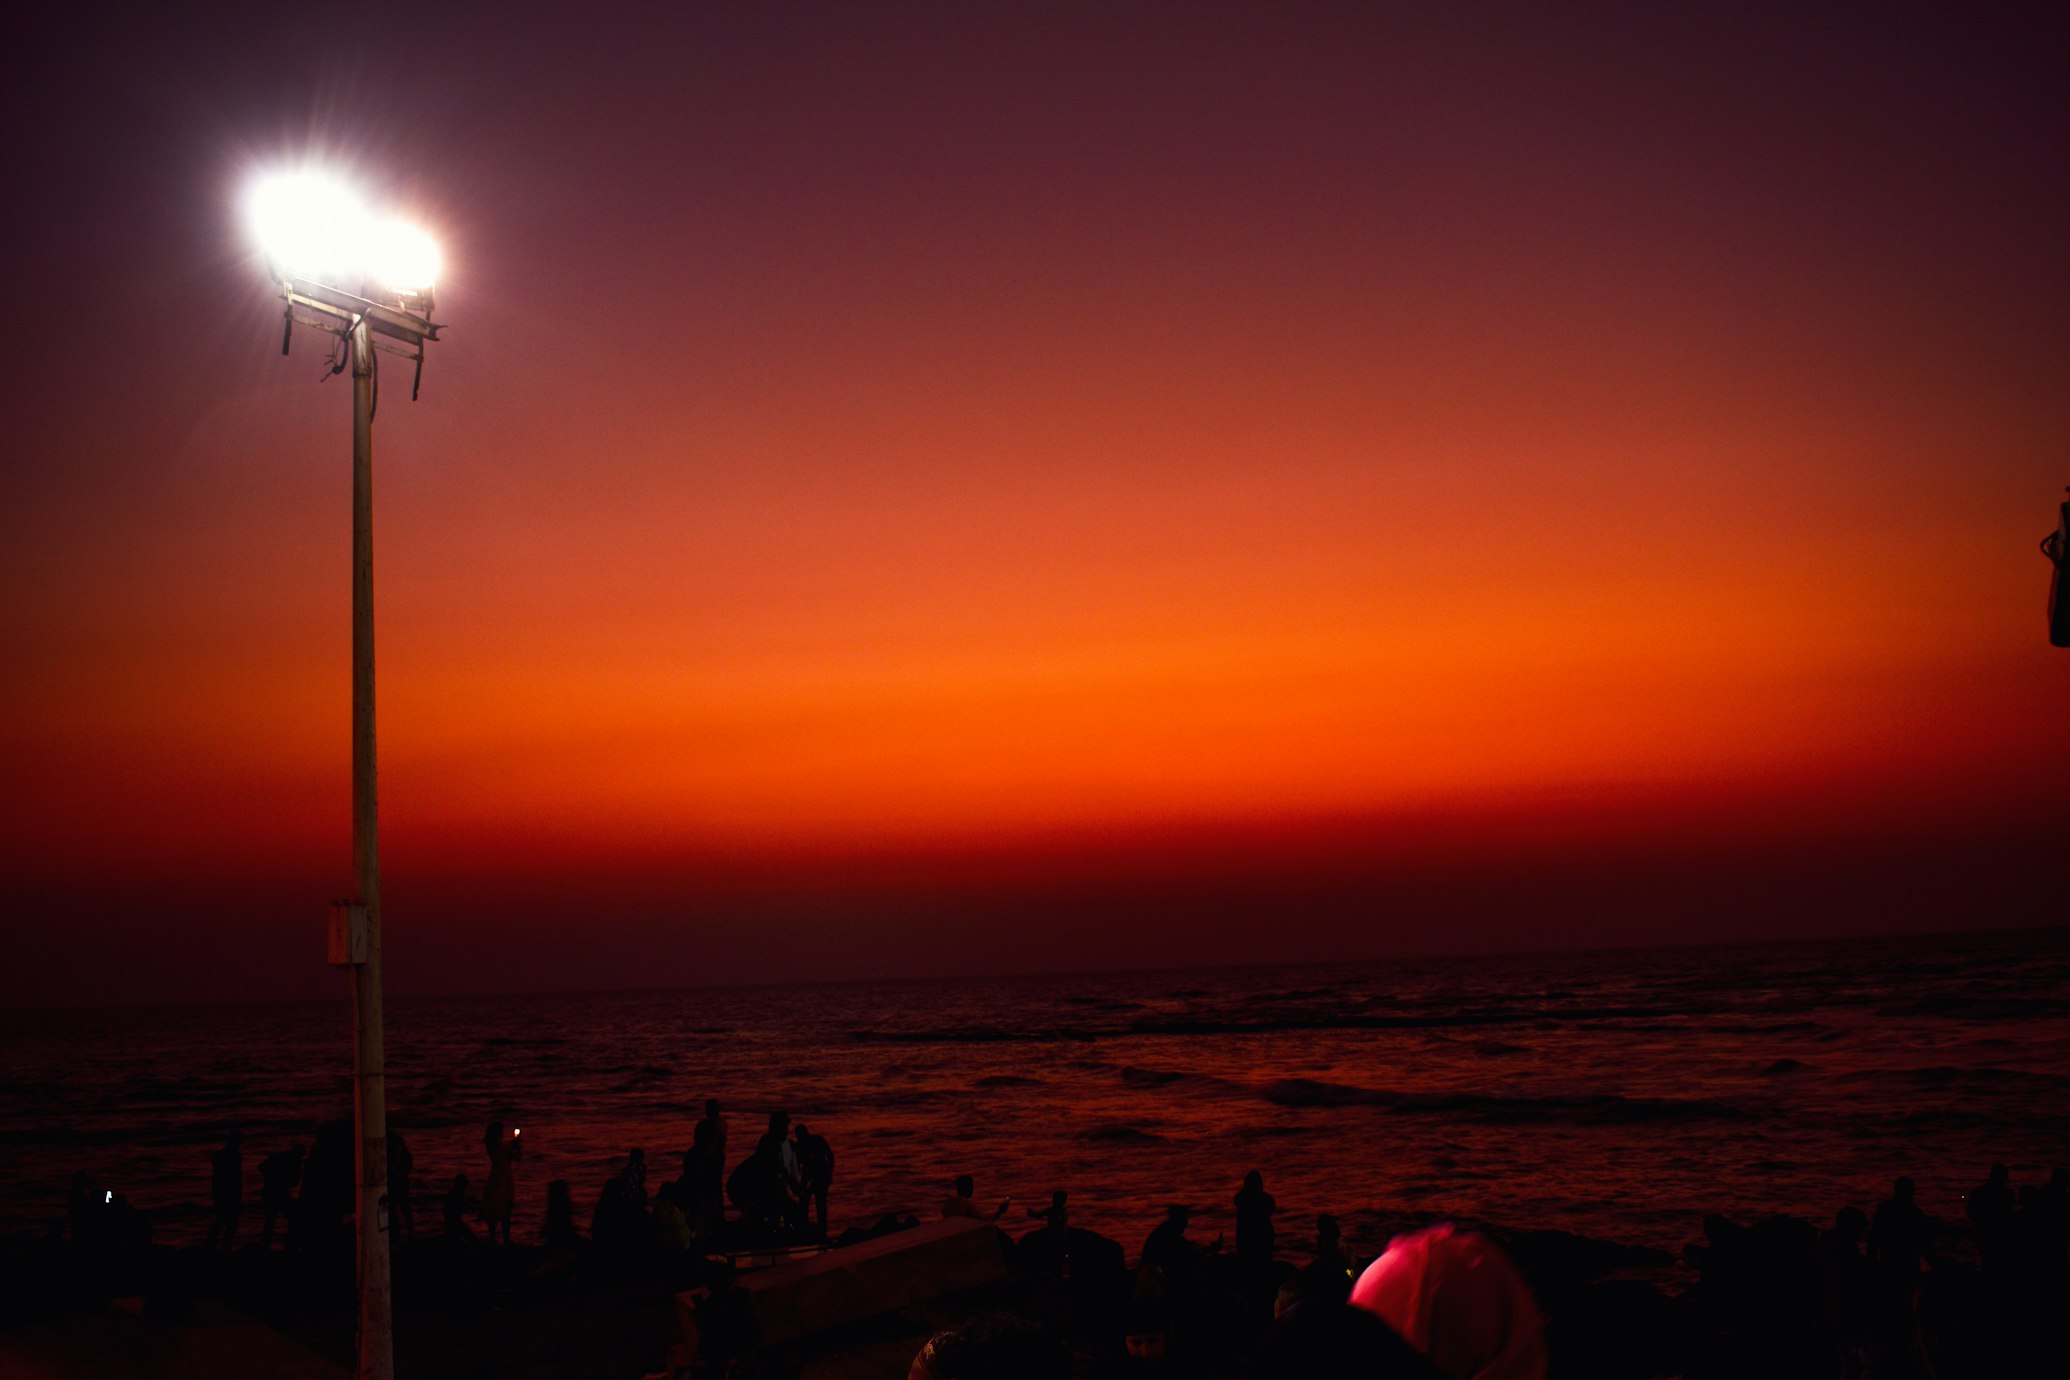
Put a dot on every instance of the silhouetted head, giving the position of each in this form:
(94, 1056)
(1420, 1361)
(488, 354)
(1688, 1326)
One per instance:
(1326, 1230)
(296, 1151)
(1058, 1198)
(798, 1132)
(492, 1133)
(637, 1156)
(558, 1198)
(237, 1138)
(996, 1346)
(1178, 1214)
(1850, 1224)
(1902, 1190)
(711, 1107)
(780, 1123)
(1999, 1176)
(1253, 1181)
(965, 1185)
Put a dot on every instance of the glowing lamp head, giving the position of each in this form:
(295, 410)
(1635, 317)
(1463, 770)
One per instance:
(311, 225)
(401, 256)
(308, 224)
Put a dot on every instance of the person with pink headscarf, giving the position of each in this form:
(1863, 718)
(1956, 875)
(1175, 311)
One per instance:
(1454, 1296)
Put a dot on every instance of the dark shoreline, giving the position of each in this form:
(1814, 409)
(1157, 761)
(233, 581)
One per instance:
(465, 1309)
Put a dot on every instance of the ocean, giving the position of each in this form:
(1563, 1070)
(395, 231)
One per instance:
(1620, 1095)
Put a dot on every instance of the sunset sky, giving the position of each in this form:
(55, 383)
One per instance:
(958, 488)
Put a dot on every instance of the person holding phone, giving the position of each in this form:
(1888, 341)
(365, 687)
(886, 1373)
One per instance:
(500, 1196)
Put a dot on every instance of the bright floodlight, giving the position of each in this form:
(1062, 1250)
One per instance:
(401, 256)
(308, 224)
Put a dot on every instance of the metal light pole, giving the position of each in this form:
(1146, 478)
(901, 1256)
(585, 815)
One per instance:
(402, 315)
(370, 1065)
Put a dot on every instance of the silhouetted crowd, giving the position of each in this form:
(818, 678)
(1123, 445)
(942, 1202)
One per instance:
(1875, 1296)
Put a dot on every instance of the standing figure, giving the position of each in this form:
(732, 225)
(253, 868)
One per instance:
(456, 1210)
(280, 1173)
(815, 1172)
(702, 1168)
(402, 1214)
(1990, 1210)
(326, 1198)
(782, 1156)
(560, 1233)
(226, 1190)
(707, 1209)
(1329, 1275)
(1254, 1209)
(1900, 1238)
(501, 1194)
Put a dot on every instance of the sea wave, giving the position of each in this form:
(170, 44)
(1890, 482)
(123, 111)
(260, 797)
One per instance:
(973, 1035)
(1151, 1078)
(1594, 1109)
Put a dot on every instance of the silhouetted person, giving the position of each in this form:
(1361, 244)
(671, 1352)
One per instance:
(455, 1207)
(620, 1220)
(672, 1224)
(1900, 1238)
(1990, 1210)
(280, 1174)
(777, 1160)
(1844, 1282)
(961, 1204)
(402, 1212)
(1328, 1277)
(1166, 1251)
(560, 1234)
(815, 1172)
(708, 1143)
(226, 1191)
(1900, 1244)
(704, 1175)
(784, 1154)
(500, 1197)
(634, 1174)
(1254, 1209)
(761, 1187)
(327, 1190)
(82, 1212)
(2052, 1221)
(1057, 1216)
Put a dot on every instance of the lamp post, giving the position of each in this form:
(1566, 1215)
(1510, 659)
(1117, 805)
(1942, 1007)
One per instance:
(314, 233)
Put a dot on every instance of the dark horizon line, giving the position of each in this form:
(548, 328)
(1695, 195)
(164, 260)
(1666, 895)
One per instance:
(1793, 941)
